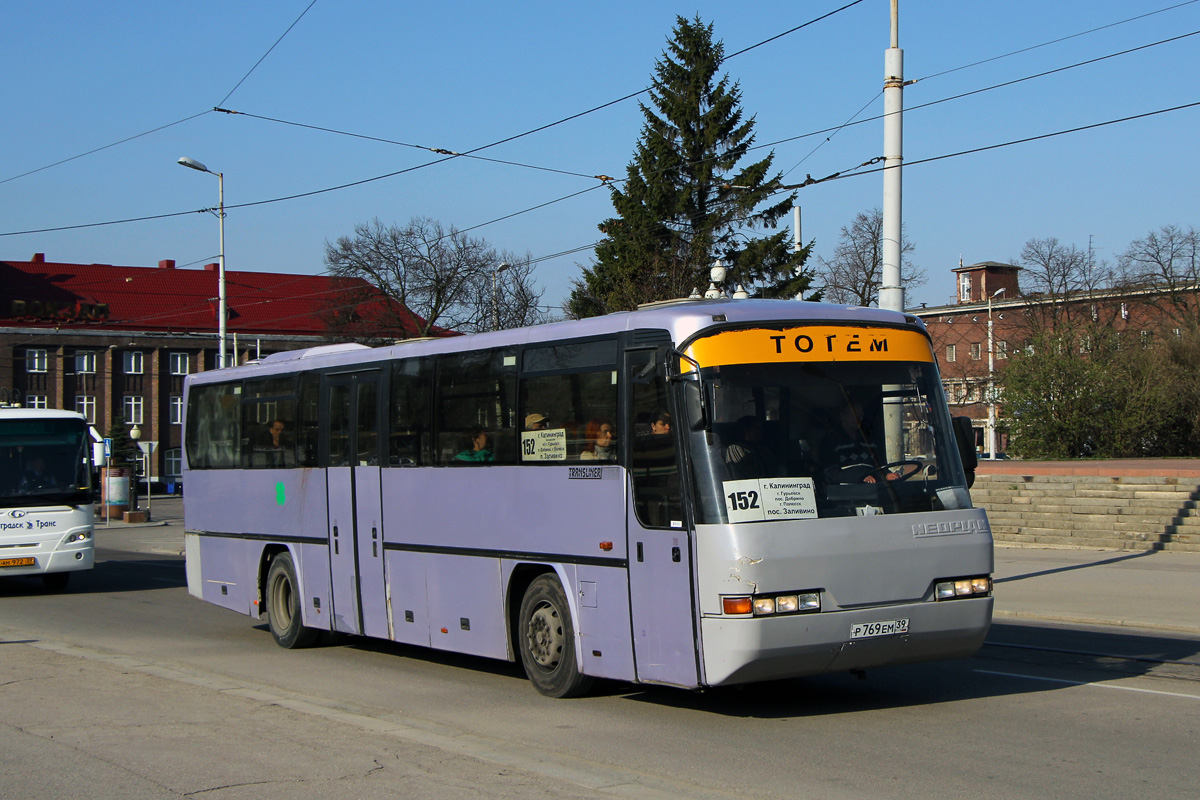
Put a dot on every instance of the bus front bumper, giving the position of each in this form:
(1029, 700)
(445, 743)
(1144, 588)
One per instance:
(55, 552)
(748, 649)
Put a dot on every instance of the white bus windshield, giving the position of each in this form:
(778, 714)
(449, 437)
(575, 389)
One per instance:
(44, 462)
(824, 439)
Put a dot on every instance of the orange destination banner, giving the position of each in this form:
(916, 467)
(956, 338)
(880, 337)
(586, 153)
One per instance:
(811, 343)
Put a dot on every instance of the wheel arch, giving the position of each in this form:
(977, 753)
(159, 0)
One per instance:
(519, 579)
(264, 566)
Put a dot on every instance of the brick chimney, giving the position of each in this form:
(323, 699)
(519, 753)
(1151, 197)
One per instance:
(212, 267)
(38, 258)
(167, 263)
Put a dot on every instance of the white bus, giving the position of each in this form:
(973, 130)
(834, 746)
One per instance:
(46, 513)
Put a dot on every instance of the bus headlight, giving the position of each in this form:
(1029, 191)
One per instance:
(963, 587)
(81, 536)
(765, 605)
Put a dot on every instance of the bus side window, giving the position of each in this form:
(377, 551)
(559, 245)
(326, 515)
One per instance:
(653, 464)
(308, 419)
(213, 435)
(476, 389)
(412, 384)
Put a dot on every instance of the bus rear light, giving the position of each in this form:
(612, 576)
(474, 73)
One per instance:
(963, 587)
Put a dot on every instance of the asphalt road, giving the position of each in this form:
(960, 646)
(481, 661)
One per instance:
(126, 687)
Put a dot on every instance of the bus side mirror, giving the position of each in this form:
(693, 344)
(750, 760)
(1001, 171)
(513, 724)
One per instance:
(98, 459)
(964, 435)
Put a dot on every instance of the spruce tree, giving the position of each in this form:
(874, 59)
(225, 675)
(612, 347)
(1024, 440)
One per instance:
(685, 201)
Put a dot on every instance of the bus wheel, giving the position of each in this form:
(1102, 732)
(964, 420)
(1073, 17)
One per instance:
(56, 581)
(283, 605)
(547, 640)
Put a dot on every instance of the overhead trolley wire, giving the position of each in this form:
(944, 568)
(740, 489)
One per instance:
(170, 124)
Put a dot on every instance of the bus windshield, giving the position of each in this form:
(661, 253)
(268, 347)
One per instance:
(824, 439)
(44, 462)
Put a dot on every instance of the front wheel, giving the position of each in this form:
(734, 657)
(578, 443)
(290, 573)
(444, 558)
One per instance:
(546, 639)
(283, 606)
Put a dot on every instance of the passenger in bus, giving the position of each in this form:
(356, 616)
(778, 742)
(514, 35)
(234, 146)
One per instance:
(601, 442)
(536, 422)
(661, 423)
(744, 458)
(275, 439)
(479, 449)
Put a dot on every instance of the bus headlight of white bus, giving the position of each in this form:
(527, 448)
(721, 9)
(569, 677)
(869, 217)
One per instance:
(79, 536)
(762, 605)
(963, 587)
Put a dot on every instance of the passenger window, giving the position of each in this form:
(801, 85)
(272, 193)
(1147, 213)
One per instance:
(412, 383)
(269, 424)
(214, 426)
(565, 417)
(476, 393)
(308, 418)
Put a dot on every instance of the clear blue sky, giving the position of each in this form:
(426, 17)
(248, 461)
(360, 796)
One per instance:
(458, 75)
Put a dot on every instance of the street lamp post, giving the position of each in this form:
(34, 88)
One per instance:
(503, 265)
(991, 419)
(196, 165)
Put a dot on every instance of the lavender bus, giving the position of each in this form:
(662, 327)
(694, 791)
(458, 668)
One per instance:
(693, 494)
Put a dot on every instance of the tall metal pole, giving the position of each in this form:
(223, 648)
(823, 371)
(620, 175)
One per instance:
(991, 384)
(192, 163)
(891, 294)
(503, 265)
(221, 275)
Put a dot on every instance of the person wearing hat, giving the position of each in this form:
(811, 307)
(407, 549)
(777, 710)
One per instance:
(536, 421)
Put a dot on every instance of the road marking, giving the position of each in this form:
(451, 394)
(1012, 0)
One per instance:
(1086, 683)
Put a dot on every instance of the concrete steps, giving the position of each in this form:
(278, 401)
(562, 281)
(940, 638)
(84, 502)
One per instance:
(1112, 512)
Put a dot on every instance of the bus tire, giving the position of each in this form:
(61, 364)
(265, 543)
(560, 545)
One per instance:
(56, 581)
(546, 640)
(283, 606)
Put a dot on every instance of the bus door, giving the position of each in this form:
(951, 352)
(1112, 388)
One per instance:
(660, 549)
(353, 414)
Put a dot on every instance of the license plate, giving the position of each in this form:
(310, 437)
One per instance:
(18, 562)
(887, 627)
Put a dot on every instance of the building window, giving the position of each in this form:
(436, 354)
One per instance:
(173, 463)
(36, 360)
(176, 409)
(86, 404)
(964, 287)
(1147, 336)
(180, 363)
(977, 350)
(950, 354)
(85, 362)
(133, 409)
(974, 393)
(133, 362)
(36, 401)
(1085, 344)
(1001, 349)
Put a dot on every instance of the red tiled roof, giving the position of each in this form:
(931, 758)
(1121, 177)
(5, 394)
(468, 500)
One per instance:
(185, 300)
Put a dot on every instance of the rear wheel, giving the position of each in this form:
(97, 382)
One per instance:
(283, 605)
(56, 581)
(546, 639)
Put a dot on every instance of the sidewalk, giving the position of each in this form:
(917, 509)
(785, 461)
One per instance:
(1155, 590)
